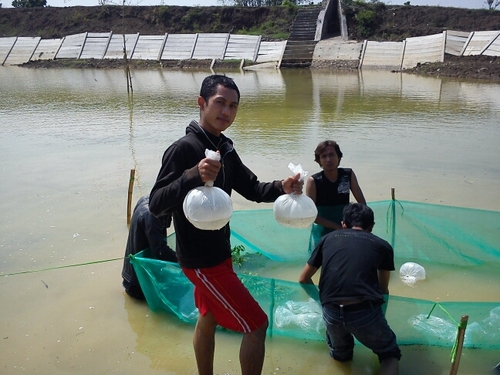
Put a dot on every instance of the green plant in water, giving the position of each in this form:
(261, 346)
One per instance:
(237, 255)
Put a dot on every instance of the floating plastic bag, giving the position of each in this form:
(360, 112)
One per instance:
(208, 207)
(295, 210)
(474, 333)
(306, 315)
(434, 327)
(411, 272)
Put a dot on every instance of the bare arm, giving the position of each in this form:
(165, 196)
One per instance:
(311, 189)
(307, 273)
(305, 280)
(383, 280)
(356, 189)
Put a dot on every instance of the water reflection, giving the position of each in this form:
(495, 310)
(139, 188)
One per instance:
(433, 139)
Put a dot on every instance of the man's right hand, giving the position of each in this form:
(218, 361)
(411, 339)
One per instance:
(208, 169)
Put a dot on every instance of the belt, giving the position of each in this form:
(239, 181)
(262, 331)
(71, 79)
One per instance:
(367, 304)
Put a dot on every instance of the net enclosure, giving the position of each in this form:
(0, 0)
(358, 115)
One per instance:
(453, 238)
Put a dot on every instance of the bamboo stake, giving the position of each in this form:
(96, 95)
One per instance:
(393, 212)
(460, 342)
(128, 75)
(130, 191)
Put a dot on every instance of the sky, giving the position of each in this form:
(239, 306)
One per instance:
(473, 4)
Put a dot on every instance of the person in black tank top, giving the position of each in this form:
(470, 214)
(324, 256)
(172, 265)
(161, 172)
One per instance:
(330, 190)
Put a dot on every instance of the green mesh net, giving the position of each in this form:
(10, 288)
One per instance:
(429, 234)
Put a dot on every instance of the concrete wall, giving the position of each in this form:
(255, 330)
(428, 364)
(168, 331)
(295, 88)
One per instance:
(370, 54)
(492, 48)
(477, 42)
(387, 55)
(6, 45)
(455, 41)
(423, 49)
(22, 50)
(336, 49)
(96, 45)
(115, 46)
(15, 51)
(47, 49)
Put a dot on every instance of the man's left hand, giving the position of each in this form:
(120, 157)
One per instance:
(293, 184)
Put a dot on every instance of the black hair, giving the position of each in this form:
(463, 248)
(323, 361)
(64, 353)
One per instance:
(322, 146)
(358, 215)
(210, 84)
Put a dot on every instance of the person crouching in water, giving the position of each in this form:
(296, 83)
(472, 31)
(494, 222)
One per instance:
(355, 270)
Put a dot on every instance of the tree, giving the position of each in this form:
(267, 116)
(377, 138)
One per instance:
(29, 3)
(493, 4)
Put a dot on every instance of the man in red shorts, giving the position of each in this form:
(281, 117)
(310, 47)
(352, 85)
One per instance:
(205, 255)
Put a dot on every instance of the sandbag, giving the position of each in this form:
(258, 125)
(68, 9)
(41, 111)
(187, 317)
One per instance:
(295, 210)
(208, 207)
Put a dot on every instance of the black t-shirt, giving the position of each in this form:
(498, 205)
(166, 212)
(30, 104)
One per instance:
(146, 231)
(349, 260)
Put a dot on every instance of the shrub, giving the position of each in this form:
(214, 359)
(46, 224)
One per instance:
(29, 3)
(366, 21)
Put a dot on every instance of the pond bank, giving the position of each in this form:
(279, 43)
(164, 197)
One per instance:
(473, 67)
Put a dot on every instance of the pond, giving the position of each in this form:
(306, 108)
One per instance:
(69, 139)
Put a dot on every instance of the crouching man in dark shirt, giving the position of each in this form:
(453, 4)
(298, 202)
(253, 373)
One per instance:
(146, 231)
(355, 271)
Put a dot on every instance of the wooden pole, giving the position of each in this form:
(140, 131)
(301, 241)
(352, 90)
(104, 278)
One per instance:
(130, 191)
(460, 343)
(393, 212)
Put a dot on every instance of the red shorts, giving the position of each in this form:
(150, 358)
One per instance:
(218, 290)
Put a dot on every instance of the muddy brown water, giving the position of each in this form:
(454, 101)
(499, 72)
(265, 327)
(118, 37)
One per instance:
(70, 137)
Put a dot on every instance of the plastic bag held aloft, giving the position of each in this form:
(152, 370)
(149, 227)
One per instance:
(295, 210)
(411, 272)
(208, 207)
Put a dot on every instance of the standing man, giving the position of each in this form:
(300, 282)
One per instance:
(355, 271)
(205, 256)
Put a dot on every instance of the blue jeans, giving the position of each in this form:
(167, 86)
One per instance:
(369, 326)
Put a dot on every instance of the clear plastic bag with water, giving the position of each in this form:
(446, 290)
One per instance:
(306, 315)
(295, 210)
(208, 207)
(411, 272)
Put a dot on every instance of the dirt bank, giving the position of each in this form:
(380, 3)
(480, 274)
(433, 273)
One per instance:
(392, 23)
(396, 23)
(270, 22)
(473, 67)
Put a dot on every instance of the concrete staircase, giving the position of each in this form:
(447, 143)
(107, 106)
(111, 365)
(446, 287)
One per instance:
(300, 45)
